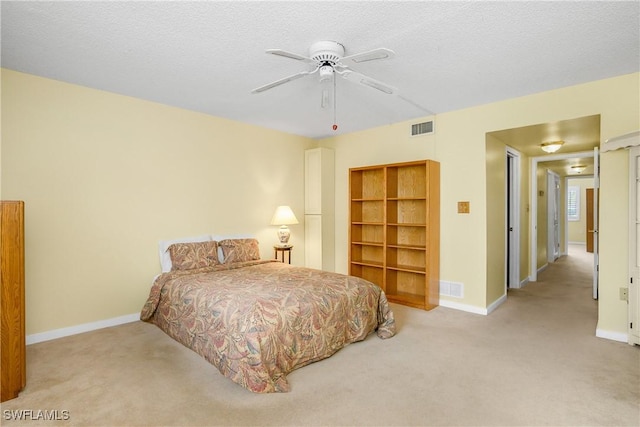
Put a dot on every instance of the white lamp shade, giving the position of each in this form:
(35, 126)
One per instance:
(284, 216)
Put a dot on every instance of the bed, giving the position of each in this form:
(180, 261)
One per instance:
(257, 320)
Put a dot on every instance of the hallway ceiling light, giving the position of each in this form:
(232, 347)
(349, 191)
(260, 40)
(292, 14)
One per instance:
(551, 147)
(578, 168)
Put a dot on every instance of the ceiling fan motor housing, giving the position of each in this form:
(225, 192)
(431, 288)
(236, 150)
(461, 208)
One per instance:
(326, 51)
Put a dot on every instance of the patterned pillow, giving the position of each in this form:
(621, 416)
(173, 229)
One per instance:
(239, 250)
(187, 256)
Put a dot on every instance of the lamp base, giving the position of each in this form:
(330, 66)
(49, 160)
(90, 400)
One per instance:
(284, 234)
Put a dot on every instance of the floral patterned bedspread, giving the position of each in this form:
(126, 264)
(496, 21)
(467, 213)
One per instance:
(257, 321)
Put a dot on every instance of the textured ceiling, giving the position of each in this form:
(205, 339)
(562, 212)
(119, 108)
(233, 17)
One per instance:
(207, 56)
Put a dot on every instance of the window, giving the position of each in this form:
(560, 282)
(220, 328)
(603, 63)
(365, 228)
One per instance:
(573, 203)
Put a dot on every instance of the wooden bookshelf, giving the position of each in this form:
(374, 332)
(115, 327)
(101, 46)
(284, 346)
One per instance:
(394, 230)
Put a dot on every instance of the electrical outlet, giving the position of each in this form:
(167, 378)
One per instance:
(624, 295)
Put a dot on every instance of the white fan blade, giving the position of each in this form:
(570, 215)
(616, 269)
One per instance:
(367, 81)
(371, 55)
(283, 81)
(280, 52)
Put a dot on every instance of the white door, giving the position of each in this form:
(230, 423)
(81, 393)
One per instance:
(596, 191)
(634, 246)
(553, 216)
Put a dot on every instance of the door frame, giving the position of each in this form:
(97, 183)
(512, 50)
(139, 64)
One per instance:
(512, 218)
(633, 293)
(533, 202)
(596, 221)
(553, 224)
(590, 226)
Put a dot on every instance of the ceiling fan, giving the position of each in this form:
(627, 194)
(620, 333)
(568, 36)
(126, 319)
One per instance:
(327, 58)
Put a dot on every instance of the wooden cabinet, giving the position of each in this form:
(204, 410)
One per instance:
(12, 331)
(319, 209)
(395, 230)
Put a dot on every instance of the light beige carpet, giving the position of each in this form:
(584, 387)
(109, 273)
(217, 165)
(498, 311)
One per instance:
(533, 361)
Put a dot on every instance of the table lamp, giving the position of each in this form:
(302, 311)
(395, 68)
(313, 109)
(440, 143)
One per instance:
(284, 216)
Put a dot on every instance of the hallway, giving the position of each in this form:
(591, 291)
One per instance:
(574, 271)
(563, 295)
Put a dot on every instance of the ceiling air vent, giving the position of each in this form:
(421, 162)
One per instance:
(423, 128)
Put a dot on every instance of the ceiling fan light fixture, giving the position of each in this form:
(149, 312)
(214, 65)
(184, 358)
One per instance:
(326, 73)
(551, 147)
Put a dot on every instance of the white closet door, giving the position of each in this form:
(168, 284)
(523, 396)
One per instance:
(313, 241)
(319, 208)
(313, 182)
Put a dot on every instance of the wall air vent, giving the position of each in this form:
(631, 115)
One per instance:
(423, 128)
(451, 289)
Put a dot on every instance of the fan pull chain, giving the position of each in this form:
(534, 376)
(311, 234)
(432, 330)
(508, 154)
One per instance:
(335, 95)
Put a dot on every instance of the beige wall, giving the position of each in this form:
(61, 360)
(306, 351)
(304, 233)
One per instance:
(496, 221)
(104, 177)
(577, 230)
(613, 237)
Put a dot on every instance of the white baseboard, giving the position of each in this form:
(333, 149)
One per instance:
(78, 329)
(543, 268)
(611, 335)
(524, 282)
(578, 243)
(496, 303)
(463, 307)
(472, 308)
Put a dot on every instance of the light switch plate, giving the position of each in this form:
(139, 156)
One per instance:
(624, 294)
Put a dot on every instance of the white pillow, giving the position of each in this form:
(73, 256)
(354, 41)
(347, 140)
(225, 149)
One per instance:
(165, 256)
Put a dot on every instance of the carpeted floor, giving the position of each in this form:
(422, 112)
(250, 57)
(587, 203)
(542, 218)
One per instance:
(533, 361)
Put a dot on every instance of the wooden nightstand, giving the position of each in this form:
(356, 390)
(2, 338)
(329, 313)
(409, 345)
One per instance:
(282, 249)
